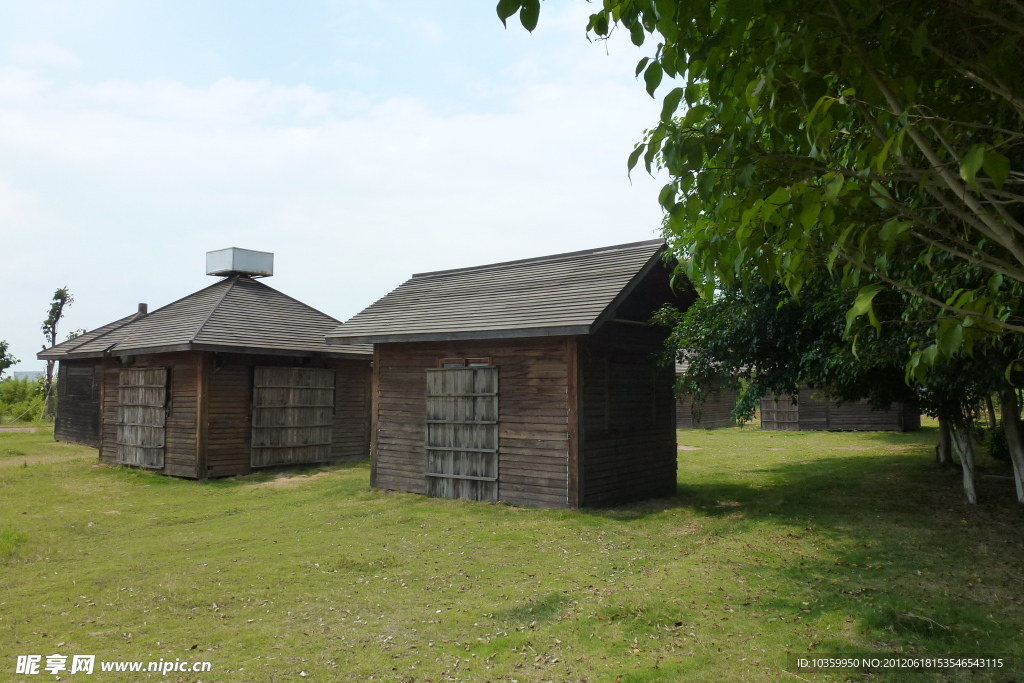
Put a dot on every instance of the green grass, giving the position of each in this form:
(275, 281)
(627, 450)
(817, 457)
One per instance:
(776, 544)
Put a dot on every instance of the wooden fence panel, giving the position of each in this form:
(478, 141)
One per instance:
(141, 416)
(292, 415)
(462, 433)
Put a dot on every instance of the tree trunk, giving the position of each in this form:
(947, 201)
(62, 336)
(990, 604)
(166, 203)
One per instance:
(1012, 428)
(943, 451)
(965, 447)
(48, 407)
(992, 423)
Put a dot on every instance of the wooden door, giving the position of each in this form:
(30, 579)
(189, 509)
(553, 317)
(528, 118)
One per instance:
(780, 415)
(292, 415)
(141, 416)
(462, 433)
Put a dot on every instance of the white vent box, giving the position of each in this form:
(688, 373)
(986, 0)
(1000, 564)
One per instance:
(235, 261)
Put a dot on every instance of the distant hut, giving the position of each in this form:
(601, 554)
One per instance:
(714, 411)
(532, 382)
(234, 377)
(77, 419)
(813, 411)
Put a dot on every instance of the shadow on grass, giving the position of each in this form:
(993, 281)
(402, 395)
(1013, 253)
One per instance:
(884, 541)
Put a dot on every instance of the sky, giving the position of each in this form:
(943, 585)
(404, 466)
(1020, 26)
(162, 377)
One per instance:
(361, 142)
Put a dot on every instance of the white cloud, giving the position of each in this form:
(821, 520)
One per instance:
(119, 188)
(43, 54)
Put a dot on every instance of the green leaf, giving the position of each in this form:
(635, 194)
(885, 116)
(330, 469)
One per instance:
(634, 157)
(667, 197)
(862, 305)
(832, 188)
(671, 103)
(774, 202)
(695, 114)
(652, 77)
(809, 214)
(920, 38)
(997, 167)
(641, 64)
(949, 337)
(705, 183)
(893, 228)
(971, 164)
(636, 33)
(506, 8)
(529, 14)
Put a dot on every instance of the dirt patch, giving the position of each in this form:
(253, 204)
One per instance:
(288, 481)
(688, 448)
(18, 430)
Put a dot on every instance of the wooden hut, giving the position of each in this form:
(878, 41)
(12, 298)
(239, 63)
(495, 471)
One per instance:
(532, 382)
(234, 377)
(77, 418)
(714, 411)
(813, 411)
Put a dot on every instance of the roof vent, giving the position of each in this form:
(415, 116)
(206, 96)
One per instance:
(235, 261)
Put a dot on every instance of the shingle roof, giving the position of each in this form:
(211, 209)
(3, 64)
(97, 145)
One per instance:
(237, 314)
(552, 295)
(59, 351)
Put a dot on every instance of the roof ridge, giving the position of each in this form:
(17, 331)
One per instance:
(128, 335)
(541, 259)
(291, 298)
(213, 309)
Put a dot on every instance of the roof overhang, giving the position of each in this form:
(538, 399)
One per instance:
(222, 348)
(561, 331)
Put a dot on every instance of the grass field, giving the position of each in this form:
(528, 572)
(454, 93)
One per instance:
(776, 545)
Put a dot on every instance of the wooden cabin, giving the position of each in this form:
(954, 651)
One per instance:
(232, 378)
(532, 382)
(77, 419)
(714, 411)
(811, 410)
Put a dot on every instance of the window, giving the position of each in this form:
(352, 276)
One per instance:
(464, 363)
(462, 430)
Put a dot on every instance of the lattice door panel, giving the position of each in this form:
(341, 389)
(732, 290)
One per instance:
(141, 416)
(292, 415)
(462, 433)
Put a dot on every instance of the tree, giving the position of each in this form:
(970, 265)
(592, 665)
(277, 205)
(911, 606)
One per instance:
(774, 343)
(6, 359)
(62, 298)
(810, 134)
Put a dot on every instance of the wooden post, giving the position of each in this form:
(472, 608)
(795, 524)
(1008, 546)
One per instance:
(202, 419)
(374, 398)
(103, 402)
(572, 350)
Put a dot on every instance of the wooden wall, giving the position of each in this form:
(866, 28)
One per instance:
(812, 411)
(627, 417)
(180, 449)
(715, 411)
(78, 402)
(228, 409)
(533, 406)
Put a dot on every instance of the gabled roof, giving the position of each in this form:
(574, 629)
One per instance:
(60, 351)
(235, 315)
(552, 295)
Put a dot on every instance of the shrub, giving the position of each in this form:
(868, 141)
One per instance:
(21, 399)
(995, 443)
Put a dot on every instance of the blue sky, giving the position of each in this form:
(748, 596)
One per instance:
(359, 141)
